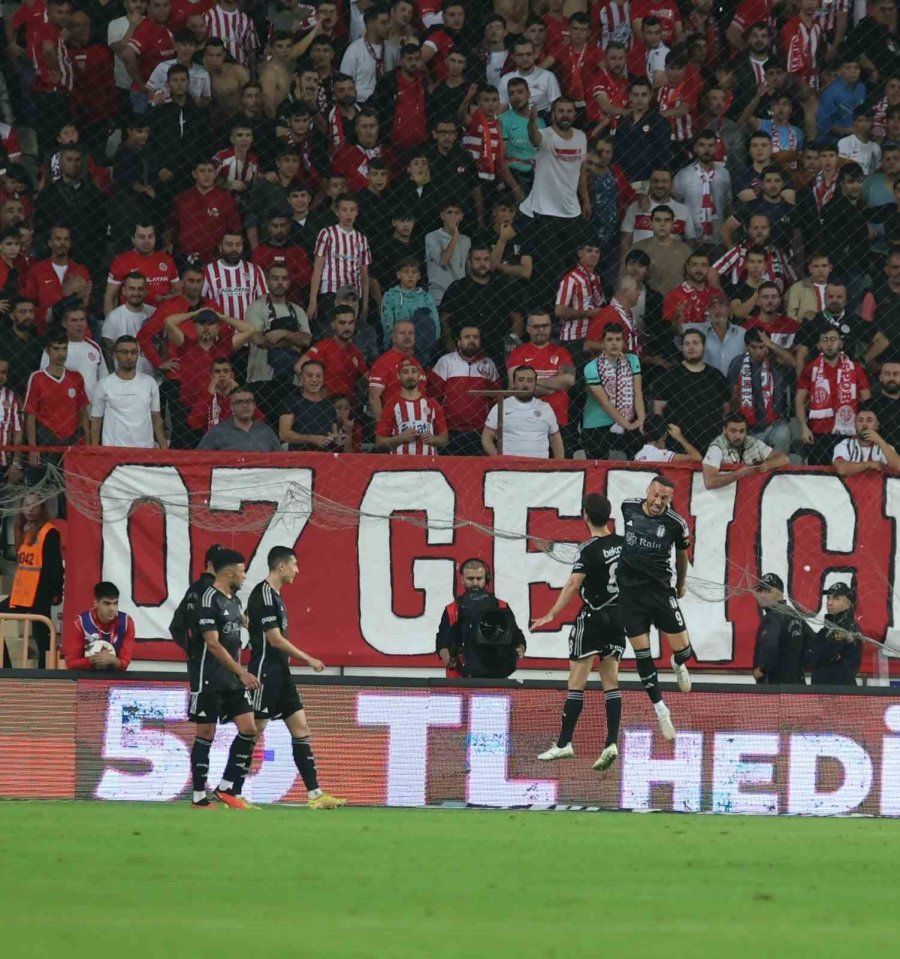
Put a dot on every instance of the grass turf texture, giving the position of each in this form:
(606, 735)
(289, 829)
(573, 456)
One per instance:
(140, 881)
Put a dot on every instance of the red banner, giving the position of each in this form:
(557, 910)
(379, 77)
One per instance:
(410, 745)
(379, 539)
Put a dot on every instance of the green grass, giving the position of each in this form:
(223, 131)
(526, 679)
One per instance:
(135, 881)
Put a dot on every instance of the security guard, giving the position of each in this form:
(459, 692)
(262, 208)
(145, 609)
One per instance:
(781, 638)
(478, 635)
(836, 651)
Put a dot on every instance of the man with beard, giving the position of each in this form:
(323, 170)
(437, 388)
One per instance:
(857, 335)
(637, 223)
(231, 280)
(886, 404)
(728, 269)
(736, 447)
(453, 378)
(344, 364)
(478, 635)
(280, 249)
(705, 188)
(529, 425)
(643, 139)
(127, 319)
(483, 294)
(281, 330)
(413, 424)
(866, 451)
(689, 302)
(22, 346)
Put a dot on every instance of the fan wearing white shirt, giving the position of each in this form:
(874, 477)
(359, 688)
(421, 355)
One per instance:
(364, 58)
(125, 410)
(542, 84)
(199, 83)
(127, 319)
(84, 356)
(868, 450)
(529, 425)
(859, 147)
(656, 432)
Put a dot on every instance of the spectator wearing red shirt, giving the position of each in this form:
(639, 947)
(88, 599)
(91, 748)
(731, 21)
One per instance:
(439, 41)
(155, 265)
(553, 364)
(181, 10)
(56, 404)
(666, 11)
(451, 381)
(384, 387)
(214, 406)
(802, 38)
(202, 215)
(102, 623)
(618, 311)
(351, 160)
(780, 329)
(344, 363)
(688, 302)
(44, 282)
(399, 101)
(278, 250)
(196, 355)
(577, 61)
(52, 84)
(150, 44)
(580, 294)
(11, 277)
(557, 25)
(411, 424)
(94, 100)
(829, 391)
(608, 97)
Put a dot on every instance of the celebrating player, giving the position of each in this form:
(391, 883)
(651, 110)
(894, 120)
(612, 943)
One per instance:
(597, 630)
(219, 682)
(646, 597)
(277, 696)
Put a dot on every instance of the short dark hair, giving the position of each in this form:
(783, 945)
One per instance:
(655, 428)
(225, 558)
(695, 332)
(279, 554)
(212, 552)
(125, 338)
(597, 508)
(734, 418)
(613, 328)
(663, 481)
(106, 590)
(524, 367)
(57, 338)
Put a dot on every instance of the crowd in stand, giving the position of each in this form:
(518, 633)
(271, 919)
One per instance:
(669, 229)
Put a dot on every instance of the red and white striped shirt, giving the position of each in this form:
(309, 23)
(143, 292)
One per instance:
(879, 118)
(235, 287)
(800, 44)
(345, 253)
(828, 12)
(232, 169)
(483, 140)
(612, 21)
(730, 266)
(338, 125)
(422, 415)
(579, 290)
(669, 98)
(235, 29)
(10, 421)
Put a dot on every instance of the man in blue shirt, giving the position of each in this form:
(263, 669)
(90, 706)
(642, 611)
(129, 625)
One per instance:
(838, 101)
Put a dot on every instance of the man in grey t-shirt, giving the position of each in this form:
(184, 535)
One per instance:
(243, 433)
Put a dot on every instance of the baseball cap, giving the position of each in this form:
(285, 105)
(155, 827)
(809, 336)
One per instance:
(206, 316)
(839, 589)
(770, 581)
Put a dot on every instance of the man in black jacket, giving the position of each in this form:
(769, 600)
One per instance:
(180, 132)
(183, 628)
(835, 652)
(781, 637)
(845, 231)
(478, 634)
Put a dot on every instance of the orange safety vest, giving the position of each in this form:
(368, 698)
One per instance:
(31, 564)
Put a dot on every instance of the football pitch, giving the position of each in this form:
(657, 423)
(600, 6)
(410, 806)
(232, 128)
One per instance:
(81, 879)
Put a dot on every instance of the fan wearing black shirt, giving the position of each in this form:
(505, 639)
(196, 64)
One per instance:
(646, 598)
(597, 630)
(219, 683)
(270, 653)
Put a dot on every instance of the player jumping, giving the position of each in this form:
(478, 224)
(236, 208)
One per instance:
(646, 597)
(277, 696)
(597, 630)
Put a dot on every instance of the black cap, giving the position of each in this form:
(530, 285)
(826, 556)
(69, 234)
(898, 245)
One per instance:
(770, 581)
(840, 589)
(206, 316)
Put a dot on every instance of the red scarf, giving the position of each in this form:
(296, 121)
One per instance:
(823, 192)
(707, 203)
(766, 385)
(823, 406)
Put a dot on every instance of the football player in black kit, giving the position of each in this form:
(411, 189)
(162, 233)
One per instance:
(597, 630)
(646, 597)
(220, 684)
(277, 696)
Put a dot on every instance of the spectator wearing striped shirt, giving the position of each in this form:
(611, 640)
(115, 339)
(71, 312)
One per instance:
(11, 428)
(868, 450)
(580, 294)
(235, 29)
(237, 166)
(412, 424)
(342, 259)
(230, 280)
(483, 140)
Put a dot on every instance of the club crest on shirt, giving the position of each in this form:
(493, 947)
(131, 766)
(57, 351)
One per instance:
(163, 267)
(71, 393)
(660, 531)
(537, 413)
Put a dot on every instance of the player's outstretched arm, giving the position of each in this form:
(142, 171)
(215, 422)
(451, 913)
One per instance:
(567, 594)
(277, 641)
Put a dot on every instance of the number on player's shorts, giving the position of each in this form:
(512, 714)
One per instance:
(611, 584)
(674, 604)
